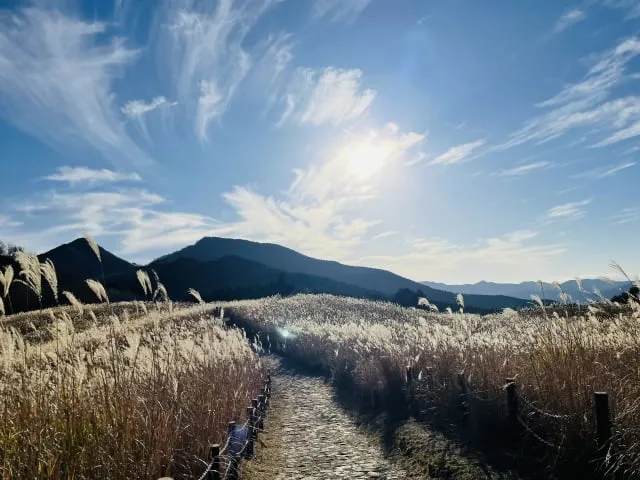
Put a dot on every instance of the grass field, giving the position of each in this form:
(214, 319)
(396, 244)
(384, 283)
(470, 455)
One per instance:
(124, 391)
(559, 359)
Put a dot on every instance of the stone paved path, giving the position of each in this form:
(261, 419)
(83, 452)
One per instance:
(314, 438)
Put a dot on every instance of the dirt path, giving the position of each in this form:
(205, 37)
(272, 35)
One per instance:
(309, 437)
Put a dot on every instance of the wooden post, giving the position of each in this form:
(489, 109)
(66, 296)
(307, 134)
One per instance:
(249, 451)
(603, 420)
(512, 398)
(261, 412)
(409, 377)
(214, 458)
(254, 404)
(464, 400)
(269, 375)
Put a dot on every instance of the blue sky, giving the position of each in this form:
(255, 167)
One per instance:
(444, 140)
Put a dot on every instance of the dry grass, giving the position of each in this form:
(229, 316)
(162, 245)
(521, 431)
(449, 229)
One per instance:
(558, 358)
(131, 398)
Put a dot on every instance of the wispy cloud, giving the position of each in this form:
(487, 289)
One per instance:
(330, 95)
(569, 18)
(139, 219)
(340, 10)
(568, 211)
(76, 175)
(604, 172)
(137, 108)
(523, 169)
(388, 233)
(207, 59)
(495, 257)
(457, 154)
(623, 134)
(626, 215)
(586, 103)
(56, 78)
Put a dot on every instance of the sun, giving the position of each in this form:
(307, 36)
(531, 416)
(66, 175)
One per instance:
(364, 160)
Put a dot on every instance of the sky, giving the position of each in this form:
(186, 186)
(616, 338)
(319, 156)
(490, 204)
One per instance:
(449, 140)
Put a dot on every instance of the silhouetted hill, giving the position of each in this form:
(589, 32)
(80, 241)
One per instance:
(233, 277)
(226, 269)
(77, 258)
(524, 290)
(290, 261)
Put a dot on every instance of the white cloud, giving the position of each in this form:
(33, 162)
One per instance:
(569, 18)
(75, 175)
(604, 172)
(206, 56)
(568, 211)
(135, 216)
(340, 10)
(388, 233)
(626, 215)
(7, 222)
(496, 257)
(319, 214)
(137, 108)
(585, 103)
(457, 154)
(623, 134)
(523, 169)
(329, 95)
(55, 82)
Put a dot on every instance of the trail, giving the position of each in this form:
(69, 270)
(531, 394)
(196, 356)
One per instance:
(309, 437)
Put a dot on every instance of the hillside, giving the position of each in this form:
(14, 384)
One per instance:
(233, 277)
(290, 261)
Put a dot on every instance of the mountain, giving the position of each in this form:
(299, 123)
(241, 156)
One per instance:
(287, 260)
(76, 258)
(226, 269)
(232, 277)
(524, 290)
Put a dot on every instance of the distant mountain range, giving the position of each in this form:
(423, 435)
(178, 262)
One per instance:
(225, 269)
(524, 290)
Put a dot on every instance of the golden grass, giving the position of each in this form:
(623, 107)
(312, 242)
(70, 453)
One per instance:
(126, 391)
(559, 359)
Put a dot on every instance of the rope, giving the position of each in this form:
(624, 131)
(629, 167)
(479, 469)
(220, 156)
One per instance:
(536, 436)
(539, 411)
(259, 415)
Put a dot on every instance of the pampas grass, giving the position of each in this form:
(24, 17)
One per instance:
(30, 272)
(48, 271)
(144, 281)
(125, 398)
(98, 290)
(560, 355)
(75, 303)
(195, 294)
(93, 245)
(6, 279)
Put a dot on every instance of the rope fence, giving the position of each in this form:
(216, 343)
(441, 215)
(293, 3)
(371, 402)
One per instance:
(224, 462)
(520, 408)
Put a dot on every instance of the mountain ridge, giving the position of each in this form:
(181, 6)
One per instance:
(289, 260)
(524, 290)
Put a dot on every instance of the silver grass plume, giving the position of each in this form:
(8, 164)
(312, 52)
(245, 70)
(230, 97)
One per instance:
(98, 289)
(48, 271)
(93, 245)
(77, 304)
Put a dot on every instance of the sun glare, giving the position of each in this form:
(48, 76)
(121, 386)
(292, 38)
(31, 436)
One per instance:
(364, 160)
